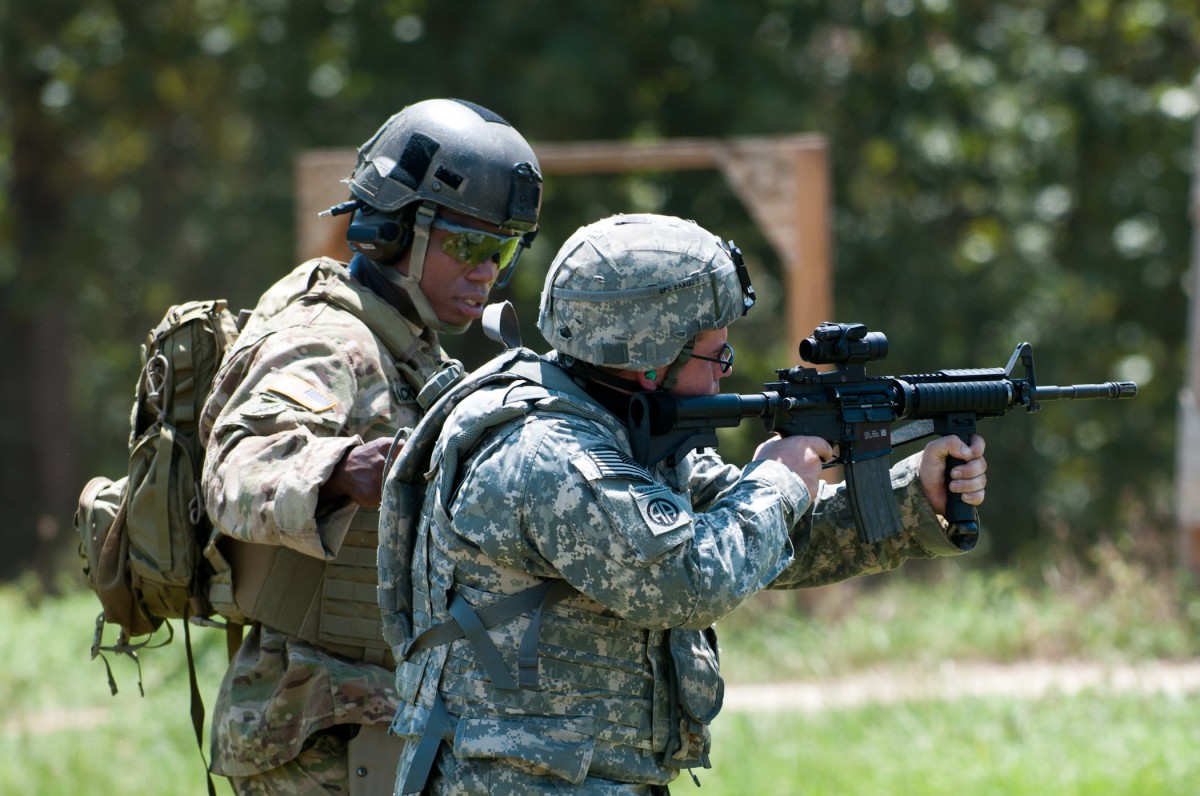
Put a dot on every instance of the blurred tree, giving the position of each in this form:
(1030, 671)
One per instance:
(1002, 171)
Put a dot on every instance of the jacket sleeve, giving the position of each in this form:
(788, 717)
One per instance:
(709, 477)
(590, 515)
(276, 439)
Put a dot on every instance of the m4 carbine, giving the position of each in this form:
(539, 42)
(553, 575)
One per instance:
(856, 413)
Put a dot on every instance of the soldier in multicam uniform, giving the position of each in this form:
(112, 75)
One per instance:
(330, 365)
(562, 594)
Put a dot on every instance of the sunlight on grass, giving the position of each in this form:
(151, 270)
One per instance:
(1121, 612)
(1088, 744)
(64, 732)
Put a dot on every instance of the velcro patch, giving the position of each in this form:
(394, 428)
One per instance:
(612, 463)
(652, 518)
(662, 509)
(299, 391)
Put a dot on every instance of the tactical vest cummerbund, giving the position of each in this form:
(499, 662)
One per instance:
(333, 604)
(603, 676)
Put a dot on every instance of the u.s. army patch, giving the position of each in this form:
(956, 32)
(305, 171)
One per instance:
(299, 391)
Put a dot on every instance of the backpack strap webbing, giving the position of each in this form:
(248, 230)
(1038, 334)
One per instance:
(197, 704)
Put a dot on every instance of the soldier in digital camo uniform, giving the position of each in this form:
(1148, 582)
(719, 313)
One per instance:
(562, 593)
(328, 368)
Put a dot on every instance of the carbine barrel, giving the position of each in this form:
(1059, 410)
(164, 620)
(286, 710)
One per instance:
(1109, 389)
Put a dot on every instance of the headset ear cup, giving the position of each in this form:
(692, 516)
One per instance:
(382, 237)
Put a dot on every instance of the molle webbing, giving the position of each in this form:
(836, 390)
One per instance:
(471, 624)
(332, 604)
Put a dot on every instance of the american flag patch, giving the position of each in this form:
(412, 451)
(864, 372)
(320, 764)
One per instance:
(301, 392)
(612, 463)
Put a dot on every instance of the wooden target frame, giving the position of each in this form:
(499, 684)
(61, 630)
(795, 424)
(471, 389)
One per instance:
(783, 181)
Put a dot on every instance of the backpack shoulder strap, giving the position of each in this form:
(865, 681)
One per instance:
(404, 489)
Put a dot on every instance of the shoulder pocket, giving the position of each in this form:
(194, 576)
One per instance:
(651, 517)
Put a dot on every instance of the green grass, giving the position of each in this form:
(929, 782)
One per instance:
(61, 729)
(1114, 611)
(63, 733)
(1090, 744)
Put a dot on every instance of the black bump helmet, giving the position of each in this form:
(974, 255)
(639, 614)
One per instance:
(439, 153)
(455, 154)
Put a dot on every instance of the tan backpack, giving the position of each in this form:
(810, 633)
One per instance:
(142, 535)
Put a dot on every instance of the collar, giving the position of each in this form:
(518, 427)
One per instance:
(370, 275)
(611, 392)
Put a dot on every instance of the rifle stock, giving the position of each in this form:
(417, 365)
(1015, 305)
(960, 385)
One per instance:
(857, 413)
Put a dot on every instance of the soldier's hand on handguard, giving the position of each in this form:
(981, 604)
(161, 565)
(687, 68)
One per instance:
(359, 475)
(967, 479)
(802, 455)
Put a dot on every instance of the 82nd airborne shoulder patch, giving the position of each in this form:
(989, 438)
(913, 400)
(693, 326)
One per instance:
(661, 507)
(649, 515)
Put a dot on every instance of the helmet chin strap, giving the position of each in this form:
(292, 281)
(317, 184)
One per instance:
(675, 367)
(410, 283)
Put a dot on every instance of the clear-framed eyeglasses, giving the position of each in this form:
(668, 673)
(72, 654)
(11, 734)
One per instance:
(724, 358)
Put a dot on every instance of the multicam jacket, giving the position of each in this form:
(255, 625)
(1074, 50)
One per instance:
(322, 365)
(534, 483)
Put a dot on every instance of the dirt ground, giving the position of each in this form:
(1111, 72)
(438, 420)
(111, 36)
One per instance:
(952, 680)
(883, 685)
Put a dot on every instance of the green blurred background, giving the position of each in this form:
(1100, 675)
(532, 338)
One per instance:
(1001, 172)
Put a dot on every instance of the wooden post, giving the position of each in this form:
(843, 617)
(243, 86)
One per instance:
(1187, 457)
(783, 181)
(319, 175)
(785, 184)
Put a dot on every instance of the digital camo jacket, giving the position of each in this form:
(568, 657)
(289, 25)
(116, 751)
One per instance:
(536, 483)
(322, 365)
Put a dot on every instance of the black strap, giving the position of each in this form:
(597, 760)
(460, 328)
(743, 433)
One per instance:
(197, 703)
(233, 638)
(490, 616)
(476, 633)
(527, 659)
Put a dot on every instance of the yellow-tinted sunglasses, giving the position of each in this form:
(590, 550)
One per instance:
(472, 246)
